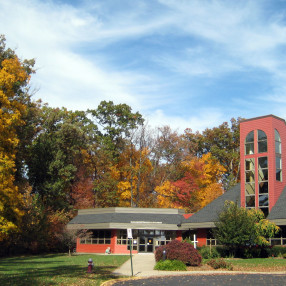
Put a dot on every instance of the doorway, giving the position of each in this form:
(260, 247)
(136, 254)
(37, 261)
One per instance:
(146, 244)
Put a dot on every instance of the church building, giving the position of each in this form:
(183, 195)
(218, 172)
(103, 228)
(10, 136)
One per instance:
(262, 186)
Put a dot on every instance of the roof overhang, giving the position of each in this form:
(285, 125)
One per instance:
(133, 225)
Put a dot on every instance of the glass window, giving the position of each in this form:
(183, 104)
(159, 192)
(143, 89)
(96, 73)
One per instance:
(262, 141)
(249, 164)
(263, 200)
(250, 201)
(278, 168)
(250, 189)
(263, 188)
(249, 143)
(263, 184)
(277, 142)
(262, 163)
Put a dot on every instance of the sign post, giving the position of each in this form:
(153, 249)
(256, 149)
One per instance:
(129, 235)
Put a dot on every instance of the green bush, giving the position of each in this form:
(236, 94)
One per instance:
(276, 251)
(208, 253)
(284, 255)
(177, 250)
(220, 263)
(170, 265)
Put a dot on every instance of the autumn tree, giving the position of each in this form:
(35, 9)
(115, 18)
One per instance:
(223, 143)
(117, 125)
(200, 184)
(14, 80)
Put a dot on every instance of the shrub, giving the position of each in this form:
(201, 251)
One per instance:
(220, 263)
(177, 250)
(276, 251)
(170, 265)
(207, 252)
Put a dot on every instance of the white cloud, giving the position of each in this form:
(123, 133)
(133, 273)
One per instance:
(208, 117)
(221, 37)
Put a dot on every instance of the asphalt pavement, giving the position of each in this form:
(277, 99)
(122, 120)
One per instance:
(144, 274)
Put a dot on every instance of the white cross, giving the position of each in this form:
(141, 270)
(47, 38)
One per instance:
(195, 241)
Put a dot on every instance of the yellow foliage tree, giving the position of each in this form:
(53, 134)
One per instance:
(207, 173)
(134, 166)
(12, 76)
(166, 194)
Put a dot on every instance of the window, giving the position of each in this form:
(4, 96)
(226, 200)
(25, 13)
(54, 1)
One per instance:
(262, 141)
(249, 183)
(122, 238)
(98, 237)
(263, 202)
(249, 143)
(278, 156)
(277, 142)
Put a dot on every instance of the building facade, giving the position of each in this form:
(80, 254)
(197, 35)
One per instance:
(262, 186)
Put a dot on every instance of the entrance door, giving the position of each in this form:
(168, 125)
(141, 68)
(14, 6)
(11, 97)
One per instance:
(146, 244)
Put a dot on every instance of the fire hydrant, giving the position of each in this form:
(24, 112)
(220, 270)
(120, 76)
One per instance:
(89, 265)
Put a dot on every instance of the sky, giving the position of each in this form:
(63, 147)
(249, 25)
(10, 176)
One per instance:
(183, 63)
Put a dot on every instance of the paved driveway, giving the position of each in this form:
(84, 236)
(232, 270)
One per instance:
(209, 280)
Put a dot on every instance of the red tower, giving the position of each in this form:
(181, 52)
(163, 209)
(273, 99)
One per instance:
(262, 163)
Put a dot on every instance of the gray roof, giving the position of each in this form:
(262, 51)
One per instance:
(278, 212)
(122, 218)
(209, 214)
(149, 218)
(126, 218)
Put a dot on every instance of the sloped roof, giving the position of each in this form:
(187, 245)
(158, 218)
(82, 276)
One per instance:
(122, 218)
(278, 212)
(209, 214)
(126, 218)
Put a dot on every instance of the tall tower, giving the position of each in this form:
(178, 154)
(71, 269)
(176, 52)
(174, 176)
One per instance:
(262, 161)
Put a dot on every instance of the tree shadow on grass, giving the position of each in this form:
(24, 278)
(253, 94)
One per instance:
(54, 275)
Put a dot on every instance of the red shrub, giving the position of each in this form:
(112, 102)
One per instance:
(177, 250)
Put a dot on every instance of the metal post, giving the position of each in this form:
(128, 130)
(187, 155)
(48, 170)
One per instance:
(131, 256)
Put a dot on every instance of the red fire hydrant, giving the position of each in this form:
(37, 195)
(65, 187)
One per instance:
(89, 265)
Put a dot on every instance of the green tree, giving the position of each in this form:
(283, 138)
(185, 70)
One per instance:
(117, 126)
(239, 228)
(63, 145)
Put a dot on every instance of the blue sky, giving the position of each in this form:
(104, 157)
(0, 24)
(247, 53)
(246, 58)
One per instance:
(183, 63)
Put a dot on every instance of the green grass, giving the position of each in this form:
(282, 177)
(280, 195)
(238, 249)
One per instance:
(257, 264)
(58, 269)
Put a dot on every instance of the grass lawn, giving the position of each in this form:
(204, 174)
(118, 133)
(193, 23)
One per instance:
(259, 264)
(58, 269)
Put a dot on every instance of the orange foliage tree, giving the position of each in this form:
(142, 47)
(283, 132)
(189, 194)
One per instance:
(200, 185)
(13, 79)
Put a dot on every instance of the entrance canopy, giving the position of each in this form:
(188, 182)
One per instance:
(123, 218)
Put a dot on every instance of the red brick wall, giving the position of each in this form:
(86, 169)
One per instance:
(201, 236)
(268, 125)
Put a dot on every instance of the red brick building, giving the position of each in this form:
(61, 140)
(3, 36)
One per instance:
(262, 186)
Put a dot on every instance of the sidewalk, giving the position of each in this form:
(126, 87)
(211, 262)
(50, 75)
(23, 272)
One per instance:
(143, 266)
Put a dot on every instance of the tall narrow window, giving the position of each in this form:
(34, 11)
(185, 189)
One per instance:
(263, 184)
(278, 156)
(249, 183)
(262, 141)
(277, 142)
(249, 143)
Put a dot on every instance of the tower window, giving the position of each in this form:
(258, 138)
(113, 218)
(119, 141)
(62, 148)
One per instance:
(262, 141)
(249, 143)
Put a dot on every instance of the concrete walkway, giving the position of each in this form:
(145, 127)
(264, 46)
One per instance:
(143, 266)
